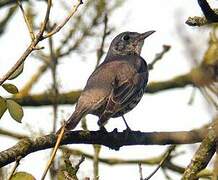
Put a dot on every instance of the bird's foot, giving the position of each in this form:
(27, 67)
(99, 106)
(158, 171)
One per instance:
(128, 129)
(103, 129)
(127, 132)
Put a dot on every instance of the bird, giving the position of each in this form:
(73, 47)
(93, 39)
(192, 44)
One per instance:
(117, 85)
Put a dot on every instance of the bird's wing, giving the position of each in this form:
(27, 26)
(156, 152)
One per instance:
(125, 90)
(121, 93)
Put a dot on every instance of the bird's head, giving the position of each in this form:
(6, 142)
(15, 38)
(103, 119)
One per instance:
(128, 43)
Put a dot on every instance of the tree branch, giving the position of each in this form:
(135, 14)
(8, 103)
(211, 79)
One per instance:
(8, 2)
(210, 15)
(204, 154)
(39, 37)
(147, 161)
(159, 56)
(61, 25)
(12, 134)
(72, 97)
(113, 140)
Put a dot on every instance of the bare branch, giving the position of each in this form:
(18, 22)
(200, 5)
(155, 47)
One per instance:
(17, 163)
(59, 27)
(140, 171)
(199, 21)
(8, 2)
(113, 140)
(159, 56)
(12, 134)
(39, 37)
(53, 153)
(32, 35)
(100, 51)
(211, 15)
(147, 161)
(72, 97)
(30, 48)
(167, 154)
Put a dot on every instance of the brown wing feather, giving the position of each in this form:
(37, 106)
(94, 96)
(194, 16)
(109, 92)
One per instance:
(121, 95)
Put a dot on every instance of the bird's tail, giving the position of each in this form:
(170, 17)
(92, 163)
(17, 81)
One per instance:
(72, 121)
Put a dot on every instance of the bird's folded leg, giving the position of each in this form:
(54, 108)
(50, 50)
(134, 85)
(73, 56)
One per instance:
(127, 126)
(127, 131)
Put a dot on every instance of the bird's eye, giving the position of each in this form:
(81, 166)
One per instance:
(126, 37)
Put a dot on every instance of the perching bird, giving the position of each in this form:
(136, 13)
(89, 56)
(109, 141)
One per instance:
(117, 85)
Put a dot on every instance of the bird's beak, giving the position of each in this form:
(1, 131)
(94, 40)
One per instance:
(144, 35)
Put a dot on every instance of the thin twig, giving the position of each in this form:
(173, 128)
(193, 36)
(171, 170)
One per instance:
(100, 51)
(32, 35)
(192, 96)
(167, 154)
(60, 136)
(46, 19)
(79, 163)
(140, 171)
(12, 134)
(208, 97)
(97, 149)
(53, 65)
(70, 171)
(30, 48)
(159, 56)
(17, 163)
(39, 37)
(149, 161)
(58, 28)
(213, 89)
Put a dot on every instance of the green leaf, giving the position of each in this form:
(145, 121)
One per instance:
(22, 176)
(15, 110)
(17, 72)
(3, 106)
(10, 88)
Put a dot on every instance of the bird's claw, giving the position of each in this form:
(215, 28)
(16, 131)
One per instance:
(103, 129)
(127, 132)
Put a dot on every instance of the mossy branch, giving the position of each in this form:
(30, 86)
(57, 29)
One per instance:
(204, 153)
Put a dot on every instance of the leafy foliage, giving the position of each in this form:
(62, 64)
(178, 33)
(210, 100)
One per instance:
(16, 73)
(10, 88)
(15, 110)
(3, 106)
(22, 176)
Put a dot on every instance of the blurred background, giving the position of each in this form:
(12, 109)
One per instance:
(71, 55)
